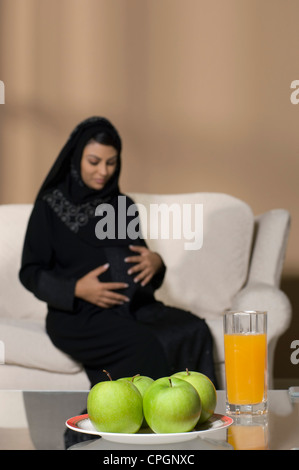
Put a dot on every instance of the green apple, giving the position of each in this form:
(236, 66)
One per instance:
(171, 405)
(205, 389)
(115, 406)
(142, 382)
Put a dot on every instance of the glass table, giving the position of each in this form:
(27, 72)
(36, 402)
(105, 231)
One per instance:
(35, 420)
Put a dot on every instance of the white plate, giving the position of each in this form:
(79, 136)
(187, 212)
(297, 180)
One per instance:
(83, 424)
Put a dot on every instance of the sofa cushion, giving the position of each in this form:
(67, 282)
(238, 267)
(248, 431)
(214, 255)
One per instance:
(203, 281)
(26, 343)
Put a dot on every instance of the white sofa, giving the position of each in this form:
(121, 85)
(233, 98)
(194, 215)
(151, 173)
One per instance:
(238, 266)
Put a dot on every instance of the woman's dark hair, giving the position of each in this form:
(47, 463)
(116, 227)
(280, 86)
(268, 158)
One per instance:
(106, 137)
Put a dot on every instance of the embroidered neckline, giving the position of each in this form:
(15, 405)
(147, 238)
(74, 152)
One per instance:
(72, 215)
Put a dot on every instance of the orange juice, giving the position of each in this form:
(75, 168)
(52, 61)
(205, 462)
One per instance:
(245, 367)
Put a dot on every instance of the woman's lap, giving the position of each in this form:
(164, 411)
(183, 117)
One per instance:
(156, 340)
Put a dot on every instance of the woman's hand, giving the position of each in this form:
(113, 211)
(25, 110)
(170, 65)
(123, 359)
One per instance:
(99, 293)
(147, 264)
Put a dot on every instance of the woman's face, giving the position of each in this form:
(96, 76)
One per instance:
(98, 164)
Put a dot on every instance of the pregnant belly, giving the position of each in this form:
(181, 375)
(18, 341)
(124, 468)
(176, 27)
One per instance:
(118, 269)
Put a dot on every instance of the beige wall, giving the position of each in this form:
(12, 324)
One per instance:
(199, 90)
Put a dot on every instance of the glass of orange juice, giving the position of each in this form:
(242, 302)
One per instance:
(245, 352)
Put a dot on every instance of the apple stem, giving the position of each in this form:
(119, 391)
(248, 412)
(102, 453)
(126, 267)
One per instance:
(187, 370)
(108, 375)
(170, 381)
(137, 375)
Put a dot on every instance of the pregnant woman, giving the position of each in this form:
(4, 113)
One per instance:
(102, 309)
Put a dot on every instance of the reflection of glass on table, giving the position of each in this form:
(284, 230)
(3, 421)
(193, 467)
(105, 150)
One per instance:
(249, 433)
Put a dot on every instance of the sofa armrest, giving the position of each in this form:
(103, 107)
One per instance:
(271, 236)
(262, 296)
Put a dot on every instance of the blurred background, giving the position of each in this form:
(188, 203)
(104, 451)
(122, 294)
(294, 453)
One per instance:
(199, 91)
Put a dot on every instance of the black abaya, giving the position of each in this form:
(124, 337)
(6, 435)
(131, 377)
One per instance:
(142, 336)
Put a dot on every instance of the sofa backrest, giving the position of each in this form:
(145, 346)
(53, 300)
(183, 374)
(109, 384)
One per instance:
(201, 280)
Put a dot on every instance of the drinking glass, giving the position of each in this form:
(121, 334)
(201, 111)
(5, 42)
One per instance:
(245, 352)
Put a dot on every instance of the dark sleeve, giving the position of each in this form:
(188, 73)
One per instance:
(37, 272)
(158, 278)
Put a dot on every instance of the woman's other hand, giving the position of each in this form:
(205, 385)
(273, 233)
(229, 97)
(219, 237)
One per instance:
(102, 294)
(148, 263)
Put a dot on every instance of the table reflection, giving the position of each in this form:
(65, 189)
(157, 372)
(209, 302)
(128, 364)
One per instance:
(36, 420)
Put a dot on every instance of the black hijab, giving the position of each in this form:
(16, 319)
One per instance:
(66, 193)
